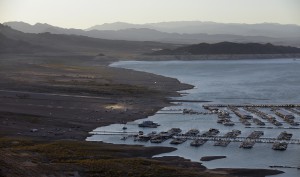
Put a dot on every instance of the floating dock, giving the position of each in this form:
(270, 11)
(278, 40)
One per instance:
(199, 139)
(206, 106)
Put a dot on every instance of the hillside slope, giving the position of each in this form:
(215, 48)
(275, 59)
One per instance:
(77, 44)
(229, 48)
(171, 32)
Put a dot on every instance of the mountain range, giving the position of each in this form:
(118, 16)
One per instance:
(196, 27)
(14, 41)
(178, 32)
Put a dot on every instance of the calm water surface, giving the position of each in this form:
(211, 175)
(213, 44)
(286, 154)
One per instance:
(244, 81)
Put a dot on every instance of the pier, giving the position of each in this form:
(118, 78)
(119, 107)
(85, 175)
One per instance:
(239, 139)
(254, 105)
(112, 133)
(189, 101)
(183, 111)
(208, 138)
(259, 114)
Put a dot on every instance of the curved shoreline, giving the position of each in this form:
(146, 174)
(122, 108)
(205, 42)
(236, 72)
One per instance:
(230, 171)
(216, 57)
(55, 130)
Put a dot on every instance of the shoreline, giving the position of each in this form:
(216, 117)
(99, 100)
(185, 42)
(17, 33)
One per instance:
(231, 171)
(216, 57)
(21, 119)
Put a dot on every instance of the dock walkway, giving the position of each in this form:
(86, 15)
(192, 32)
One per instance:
(253, 105)
(239, 139)
(214, 138)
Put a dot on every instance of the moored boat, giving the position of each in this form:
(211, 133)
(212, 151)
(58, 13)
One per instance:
(149, 124)
(178, 140)
(280, 146)
(198, 142)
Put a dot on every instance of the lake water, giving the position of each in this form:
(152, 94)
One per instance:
(228, 81)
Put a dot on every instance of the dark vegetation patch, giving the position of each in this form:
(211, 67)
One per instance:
(90, 159)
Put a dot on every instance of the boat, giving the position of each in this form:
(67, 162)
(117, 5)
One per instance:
(211, 132)
(198, 142)
(175, 130)
(247, 144)
(163, 136)
(143, 138)
(228, 123)
(280, 146)
(157, 139)
(256, 134)
(233, 134)
(178, 141)
(285, 136)
(222, 143)
(277, 123)
(124, 138)
(220, 121)
(294, 123)
(148, 124)
(245, 122)
(191, 132)
(258, 122)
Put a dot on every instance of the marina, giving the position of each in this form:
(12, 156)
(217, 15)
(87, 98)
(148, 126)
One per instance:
(257, 114)
(253, 105)
(245, 114)
(226, 84)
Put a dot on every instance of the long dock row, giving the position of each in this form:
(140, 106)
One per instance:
(252, 105)
(208, 138)
(240, 139)
(268, 127)
(183, 111)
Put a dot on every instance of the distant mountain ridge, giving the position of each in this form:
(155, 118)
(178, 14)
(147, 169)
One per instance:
(27, 28)
(229, 48)
(196, 27)
(117, 26)
(126, 31)
(14, 41)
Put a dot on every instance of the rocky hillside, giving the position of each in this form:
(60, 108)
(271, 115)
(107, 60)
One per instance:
(229, 48)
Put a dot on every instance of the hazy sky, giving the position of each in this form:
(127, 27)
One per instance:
(86, 13)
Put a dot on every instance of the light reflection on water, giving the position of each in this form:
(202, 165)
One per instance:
(245, 81)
